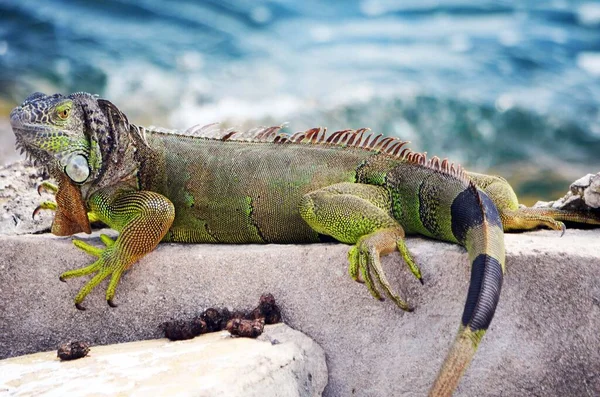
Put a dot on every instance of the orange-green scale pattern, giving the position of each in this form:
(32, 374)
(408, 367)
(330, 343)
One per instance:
(241, 192)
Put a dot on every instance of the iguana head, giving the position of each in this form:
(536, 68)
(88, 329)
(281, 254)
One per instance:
(83, 141)
(51, 129)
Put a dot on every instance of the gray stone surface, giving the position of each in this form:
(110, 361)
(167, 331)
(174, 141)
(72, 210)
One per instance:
(544, 340)
(281, 362)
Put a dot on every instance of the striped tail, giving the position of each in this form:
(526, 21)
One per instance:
(476, 224)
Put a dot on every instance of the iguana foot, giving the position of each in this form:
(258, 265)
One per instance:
(365, 260)
(48, 187)
(107, 264)
(141, 217)
(529, 219)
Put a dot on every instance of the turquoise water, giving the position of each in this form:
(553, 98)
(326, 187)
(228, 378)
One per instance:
(512, 87)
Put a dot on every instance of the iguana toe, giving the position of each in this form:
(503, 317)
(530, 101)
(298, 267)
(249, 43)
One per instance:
(408, 259)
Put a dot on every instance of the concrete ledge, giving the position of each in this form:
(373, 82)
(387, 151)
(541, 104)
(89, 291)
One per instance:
(543, 341)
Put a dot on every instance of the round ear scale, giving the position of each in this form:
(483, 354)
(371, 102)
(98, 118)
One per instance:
(77, 168)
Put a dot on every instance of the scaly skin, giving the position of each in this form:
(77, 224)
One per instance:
(225, 187)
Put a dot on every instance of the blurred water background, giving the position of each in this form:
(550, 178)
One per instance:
(509, 87)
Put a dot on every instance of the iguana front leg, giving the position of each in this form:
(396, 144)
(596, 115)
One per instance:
(360, 214)
(141, 217)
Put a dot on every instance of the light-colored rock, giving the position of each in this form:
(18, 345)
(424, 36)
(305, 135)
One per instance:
(581, 183)
(591, 194)
(7, 142)
(281, 362)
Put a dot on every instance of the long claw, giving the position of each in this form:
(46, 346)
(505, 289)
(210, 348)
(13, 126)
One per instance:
(36, 211)
(47, 187)
(46, 205)
(111, 303)
(563, 229)
(79, 306)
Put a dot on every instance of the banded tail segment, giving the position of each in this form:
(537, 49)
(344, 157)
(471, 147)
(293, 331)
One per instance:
(476, 224)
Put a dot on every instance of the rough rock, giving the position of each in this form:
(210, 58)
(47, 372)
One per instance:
(591, 195)
(282, 362)
(19, 197)
(583, 194)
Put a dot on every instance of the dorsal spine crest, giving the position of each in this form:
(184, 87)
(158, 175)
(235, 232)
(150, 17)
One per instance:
(360, 138)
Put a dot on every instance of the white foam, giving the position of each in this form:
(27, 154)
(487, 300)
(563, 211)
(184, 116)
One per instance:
(589, 14)
(590, 62)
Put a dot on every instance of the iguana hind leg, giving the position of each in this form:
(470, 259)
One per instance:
(359, 214)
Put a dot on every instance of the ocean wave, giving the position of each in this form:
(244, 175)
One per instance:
(487, 83)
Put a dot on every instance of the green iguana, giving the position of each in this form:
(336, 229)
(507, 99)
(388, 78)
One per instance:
(263, 186)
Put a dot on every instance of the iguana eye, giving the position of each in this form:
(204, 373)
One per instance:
(63, 111)
(77, 168)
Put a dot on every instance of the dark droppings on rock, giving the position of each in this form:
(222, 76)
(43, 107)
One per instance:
(213, 319)
(182, 330)
(238, 323)
(73, 350)
(246, 328)
(267, 309)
